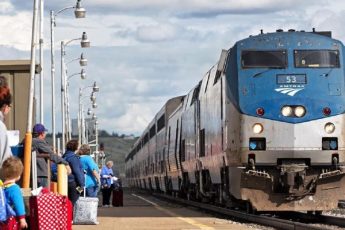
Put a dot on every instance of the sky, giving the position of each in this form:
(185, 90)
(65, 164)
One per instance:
(145, 52)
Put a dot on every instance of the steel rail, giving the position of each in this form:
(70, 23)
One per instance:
(323, 219)
(240, 215)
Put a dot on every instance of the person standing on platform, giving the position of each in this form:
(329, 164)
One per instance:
(91, 169)
(44, 151)
(11, 170)
(76, 178)
(106, 183)
(5, 106)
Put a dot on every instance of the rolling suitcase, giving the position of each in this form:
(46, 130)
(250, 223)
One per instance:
(117, 197)
(85, 210)
(50, 211)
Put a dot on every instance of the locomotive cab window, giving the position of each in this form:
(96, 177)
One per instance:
(316, 58)
(264, 59)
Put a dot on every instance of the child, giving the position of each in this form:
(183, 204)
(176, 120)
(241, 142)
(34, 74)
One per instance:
(11, 170)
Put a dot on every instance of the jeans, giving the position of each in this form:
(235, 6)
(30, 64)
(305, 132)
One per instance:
(92, 191)
(73, 194)
(106, 192)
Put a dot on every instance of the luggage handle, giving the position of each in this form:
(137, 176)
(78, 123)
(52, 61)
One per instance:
(34, 169)
(84, 183)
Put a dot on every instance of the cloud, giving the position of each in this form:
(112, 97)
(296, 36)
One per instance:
(154, 33)
(10, 53)
(145, 52)
(179, 8)
(18, 30)
(6, 7)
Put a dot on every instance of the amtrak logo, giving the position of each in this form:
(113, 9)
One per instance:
(289, 90)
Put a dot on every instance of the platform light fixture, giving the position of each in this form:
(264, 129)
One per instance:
(79, 11)
(82, 60)
(85, 42)
(93, 97)
(95, 88)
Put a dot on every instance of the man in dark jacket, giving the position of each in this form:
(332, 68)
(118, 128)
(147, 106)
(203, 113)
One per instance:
(44, 151)
(76, 180)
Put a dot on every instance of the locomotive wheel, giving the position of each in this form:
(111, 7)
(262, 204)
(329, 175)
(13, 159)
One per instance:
(318, 213)
(250, 209)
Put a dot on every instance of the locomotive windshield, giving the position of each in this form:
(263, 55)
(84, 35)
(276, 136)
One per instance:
(264, 59)
(317, 58)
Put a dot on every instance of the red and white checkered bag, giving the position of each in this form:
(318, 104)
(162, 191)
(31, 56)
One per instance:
(49, 211)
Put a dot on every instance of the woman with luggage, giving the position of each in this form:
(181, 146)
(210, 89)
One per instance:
(5, 106)
(107, 183)
(91, 169)
(76, 178)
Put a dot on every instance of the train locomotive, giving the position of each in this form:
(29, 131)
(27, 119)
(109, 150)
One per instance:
(264, 128)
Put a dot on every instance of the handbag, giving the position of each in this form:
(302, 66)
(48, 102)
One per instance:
(104, 183)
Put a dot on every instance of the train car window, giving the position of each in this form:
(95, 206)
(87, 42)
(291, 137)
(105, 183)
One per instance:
(217, 77)
(176, 141)
(168, 157)
(161, 123)
(153, 131)
(316, 58)
(196, 93)
(186, 101)
(183, 150)
(208, 78)
(202, 142)
(264, 59)
(146, 138)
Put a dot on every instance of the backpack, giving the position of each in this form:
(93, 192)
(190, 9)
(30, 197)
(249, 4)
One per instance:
(6, 210)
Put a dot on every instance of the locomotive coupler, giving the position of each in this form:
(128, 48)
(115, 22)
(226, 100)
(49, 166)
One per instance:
(292, 177)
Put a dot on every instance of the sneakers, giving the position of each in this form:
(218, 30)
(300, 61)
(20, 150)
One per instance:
(106, 206)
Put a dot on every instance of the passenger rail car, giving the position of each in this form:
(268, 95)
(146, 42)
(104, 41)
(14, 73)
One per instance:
(263, 127)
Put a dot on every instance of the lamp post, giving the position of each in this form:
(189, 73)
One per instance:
(94, 117)
(95, 89)
(82, 62)
(84, 129)
(41, 42)
(84, 43)
(79, 12)
(28, 135)
(82, 75)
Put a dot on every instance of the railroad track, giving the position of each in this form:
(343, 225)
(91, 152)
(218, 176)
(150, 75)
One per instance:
(288, 221)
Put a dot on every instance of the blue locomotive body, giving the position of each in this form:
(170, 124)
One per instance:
(270, 73)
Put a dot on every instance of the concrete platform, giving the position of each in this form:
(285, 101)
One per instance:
(144, 212)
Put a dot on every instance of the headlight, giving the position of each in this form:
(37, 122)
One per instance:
(329, 128)
(257, 128)
(286, 111)
(299, 111)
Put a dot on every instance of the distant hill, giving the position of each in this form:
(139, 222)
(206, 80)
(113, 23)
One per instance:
(115, 149)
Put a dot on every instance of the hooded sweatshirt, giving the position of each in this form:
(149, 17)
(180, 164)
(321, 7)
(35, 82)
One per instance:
(77, 174)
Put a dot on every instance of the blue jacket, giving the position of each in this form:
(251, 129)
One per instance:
(15, 199)
(106, 176)
(77, 174)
